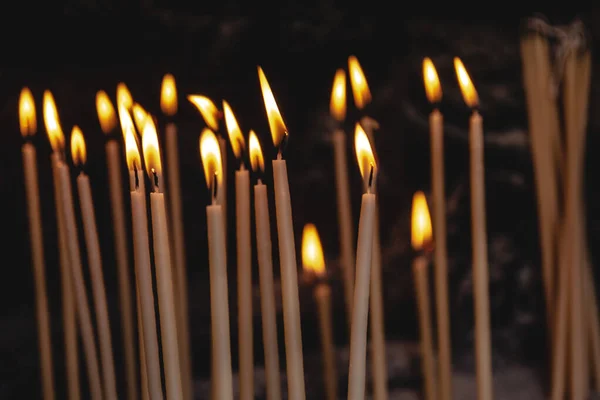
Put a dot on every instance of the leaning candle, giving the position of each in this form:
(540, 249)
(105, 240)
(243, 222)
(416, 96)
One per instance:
(244, 256)
(364, 247)
(483, 348)
(287, 248)
(108, 122)
(436, 121)
(210, 154)
(313, 263)
(28, 126)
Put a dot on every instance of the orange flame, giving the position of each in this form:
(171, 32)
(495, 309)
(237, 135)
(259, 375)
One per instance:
(257, 160)
(276, 124)
(151, 149)
(337, 105)
(207, 109)
(313, 260)
(168, 95)
(420, 222)
(360, 87)
(124, 98)
(210, 154)
(132, 151)
(466, 85)
(78, 150)
(52, 122)
(139, 116)
(364, 154)
(27, 117)
(106, 112)
(238, 144)
(433, 88)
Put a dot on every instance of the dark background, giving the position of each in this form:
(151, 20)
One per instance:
(78, 48)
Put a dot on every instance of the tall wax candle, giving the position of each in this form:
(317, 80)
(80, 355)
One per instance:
(483, 346)
(86, 204)
(28, 127)
(222, 386)
(287, 249)
(265, 272)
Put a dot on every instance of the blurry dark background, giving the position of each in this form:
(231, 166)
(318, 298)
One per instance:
(78, 48)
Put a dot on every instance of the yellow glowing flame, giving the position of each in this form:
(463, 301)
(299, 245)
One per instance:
(124, 98)
(420, 222)
(313, 260)
(106, 112)
(433, 88)
(139, 116)
(337, 105)
(132, 151)
(276, 124)
(257, 160)
(78, 151)
(364, 153)
(150, 148)
(210, 153)
(207, 109)
(235, 133)
(168, 95)
(125, 120)
(360, 87)
(52, 122)
(27, 117)
(466, 85)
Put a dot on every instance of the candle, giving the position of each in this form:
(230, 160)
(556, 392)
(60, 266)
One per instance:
(141, 252)
(265, 272)
(366, 228)
(108, 122)
(244, 257)
(168, 105)
(436, 128)
(483, 347)
(28, 127)
(421, 238)
(210, 154)
(287, 248)
(313, 263)
(338, 112)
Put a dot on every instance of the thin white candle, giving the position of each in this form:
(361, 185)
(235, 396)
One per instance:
(287, 249)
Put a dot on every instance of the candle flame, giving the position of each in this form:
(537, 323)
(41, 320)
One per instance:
(124, 98)
(151, 149)
(139, 116)
(78, 150)
(466, 85)
(168, 95)
(257, 160)
(210, 154)
(433, 88)
(27, 117)
(52, 122)
(125, 120)
(207, 109)
(360, 87)
(238, 144)
(313, 260)
(337, 105)
(276, 124)
(364, 154)
(132, 151)
(106, 112)
(420, 222)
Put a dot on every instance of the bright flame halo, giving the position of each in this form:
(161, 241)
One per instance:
(433, 88)
(313, 260)
(257, 161)
(420, 222)
(207, 109)
(238, 144)
(124, 98)
(337, 104)
(210, 154)
(358, 81)
(364, 154)
(466, 85)
(78, 150)
(168, 95)
(52, 123)
(27, 117)
(106, 112)
(151, 149)
(276, 124)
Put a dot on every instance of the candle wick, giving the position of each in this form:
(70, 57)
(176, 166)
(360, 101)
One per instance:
(282, 145)
(136, 177)
(214, 188)
(371, 177)
(259, 181)
(155, 181)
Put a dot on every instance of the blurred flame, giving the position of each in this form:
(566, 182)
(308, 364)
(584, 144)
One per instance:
(420, 222)
(433, 88)
(360, 87)
(276, 124)
(337, 105)
(168, 95)
(364, 153)
(150, 148)
(132, 152)
(466, 85)
(207, 109)
(312, 252)
(235, 134)
(27, 117)
(106, 112)
(78, 151)
(125, 120)
(139, 116)
(257, 160)
(124, 98)
(210, 153)
(52, 122)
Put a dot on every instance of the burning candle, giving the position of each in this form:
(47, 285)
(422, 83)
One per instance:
(57, 141)
(287, 248)
(28, 127)
(420, 239)
(265, 272)
(108, 123)
(338, 112)
(483, 350)
(210, 153)
(162, 263)
(313, 263)
(366, 228)
(86, 204)
(244, 257)
(143, 268)
(436, 128)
